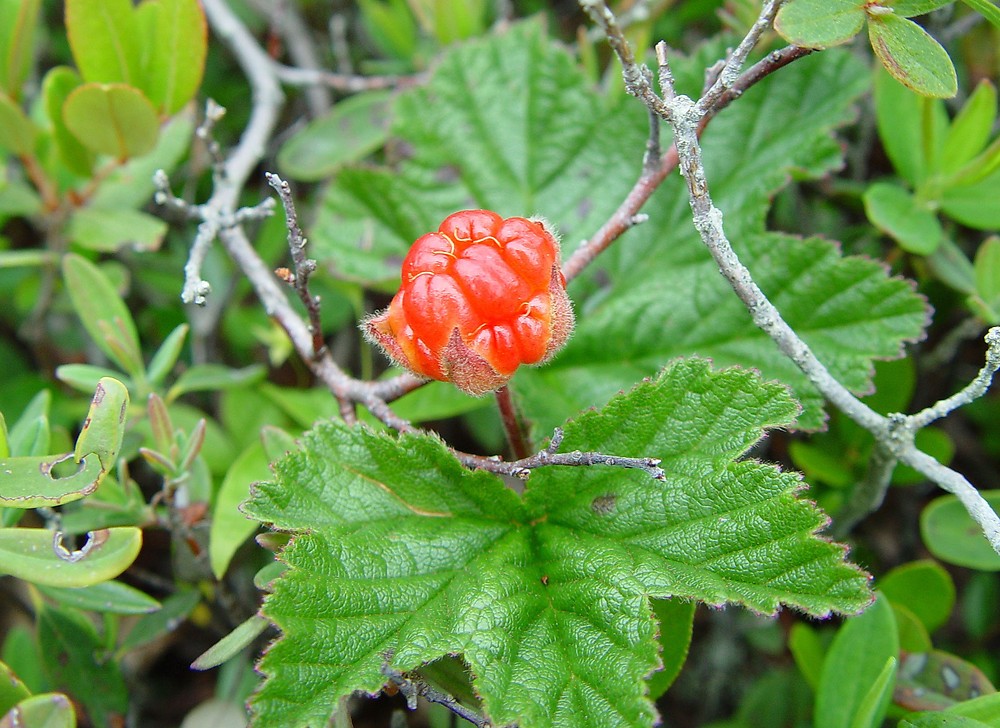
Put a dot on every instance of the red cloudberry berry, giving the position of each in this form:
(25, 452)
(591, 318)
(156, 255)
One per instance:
(479, 297)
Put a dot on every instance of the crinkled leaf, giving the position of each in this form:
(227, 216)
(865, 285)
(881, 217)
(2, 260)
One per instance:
(34, 554)
(401, 556)
(820, 23)
(175, 59)
(896, 212)
(105, 40)
(846, 309)
(352, 129)
(107, 229)
(505, 124)
(912, 56)
(112, 119)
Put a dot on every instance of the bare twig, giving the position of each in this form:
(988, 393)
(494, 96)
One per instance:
(734, 63)
(346, 82)
(549, 456)
(304, 267)
(412, 688)
(974, 390)
(298, 42)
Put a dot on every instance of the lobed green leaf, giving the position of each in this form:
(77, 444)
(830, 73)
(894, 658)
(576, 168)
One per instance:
(400, 556)
(656, 293)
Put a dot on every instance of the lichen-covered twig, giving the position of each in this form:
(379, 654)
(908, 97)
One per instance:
(549, 456)
(303, 267)
(412, 687)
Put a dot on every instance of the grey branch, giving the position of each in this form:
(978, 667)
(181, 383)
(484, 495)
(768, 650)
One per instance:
(894, 433)
(549, 456)
(412, 688)
(304, 267)
(975, 389)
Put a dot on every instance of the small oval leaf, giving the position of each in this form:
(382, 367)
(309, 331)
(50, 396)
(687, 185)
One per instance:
(176, 60)
(912, 56)
(17, 133)
(36, 555)
(29, 482)
(951, 535)
(112, 119)
(104, 39)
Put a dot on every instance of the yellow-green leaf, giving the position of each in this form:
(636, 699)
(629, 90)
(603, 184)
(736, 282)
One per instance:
(17, 40)
(177, 32)
(17, 133)
(104, 428)
(38, 555)
(113, 119)
(30, 482)
(104, 39)
(59, 83)
(912, 56)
